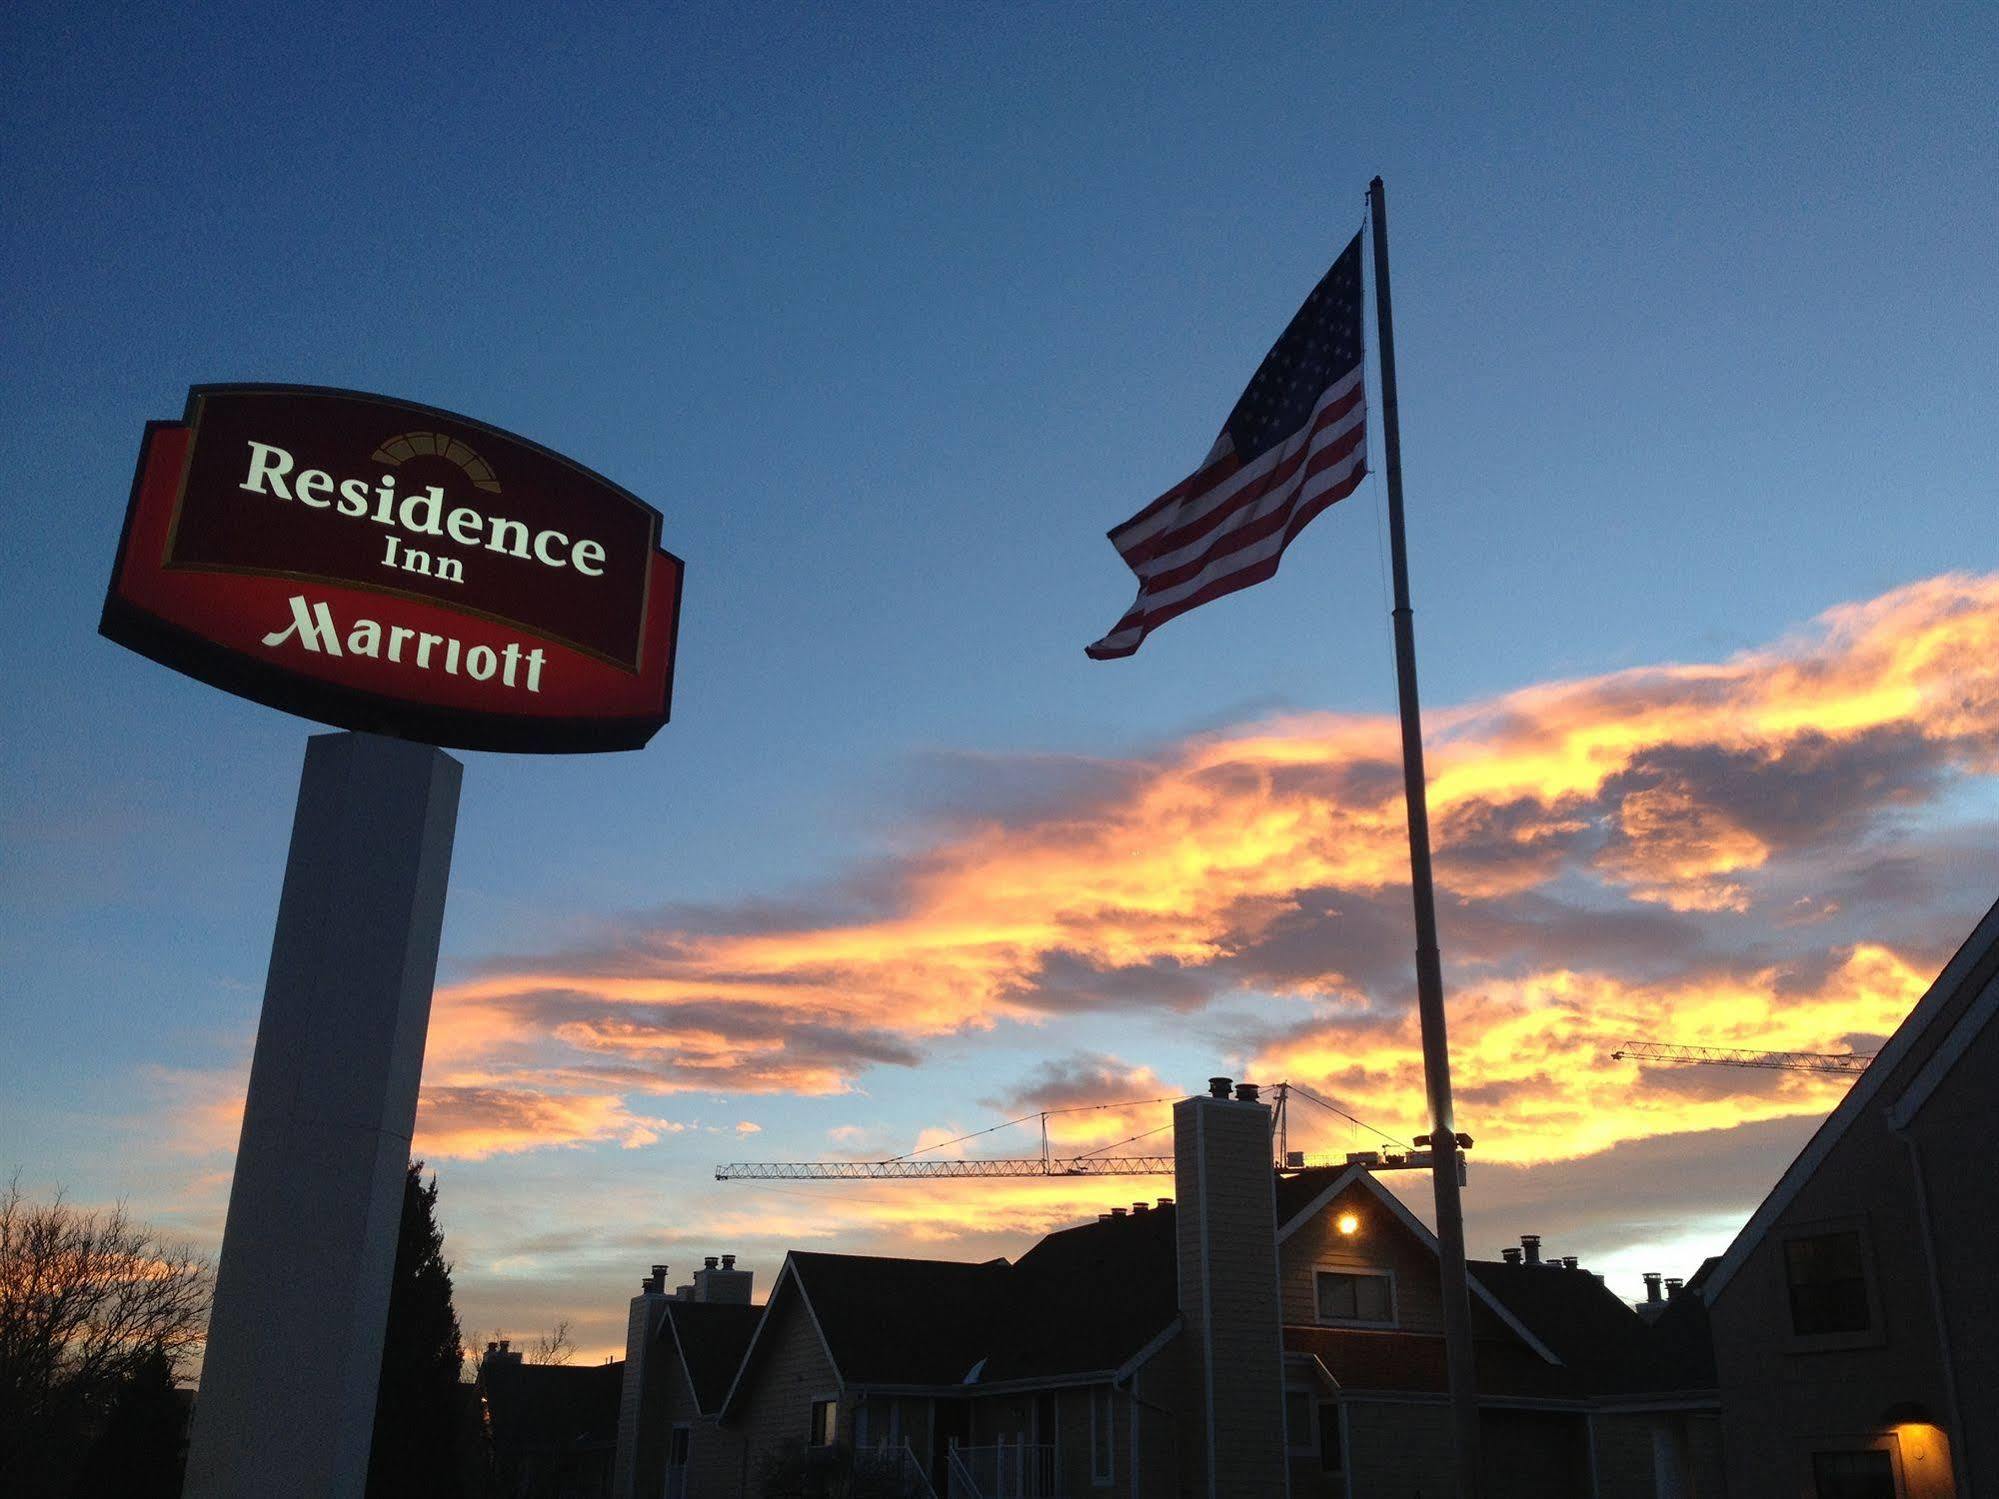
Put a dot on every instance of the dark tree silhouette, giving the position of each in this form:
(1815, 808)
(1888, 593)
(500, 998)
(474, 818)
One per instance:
(138, 1456)
(90, 1304)
(415, 1454)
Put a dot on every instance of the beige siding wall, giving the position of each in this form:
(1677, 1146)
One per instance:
(1783, 1399)
(1624, 1456)
(1380, 1243)
(1529, 1454)
(1954, 1134)
(774, 1409)
(714, 1453)
(1399, 1451)
(1710, 1473)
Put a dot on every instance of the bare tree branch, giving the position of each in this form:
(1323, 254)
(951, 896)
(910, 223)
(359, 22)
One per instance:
(86, 1299)
(554, 1346)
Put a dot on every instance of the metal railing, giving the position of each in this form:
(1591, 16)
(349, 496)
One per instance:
(1007, 1470)
(887, 1473)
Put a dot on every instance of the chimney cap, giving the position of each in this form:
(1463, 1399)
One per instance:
(1140, 1207)
(1165, 1202)
(1117, 1212)
(709, 1262)
(1218, 1087)
(728, 1262)
(1247, 1092)
(1570, 1262)
(1511, 1255)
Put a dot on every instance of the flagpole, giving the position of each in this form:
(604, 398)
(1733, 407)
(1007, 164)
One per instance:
(1429, 968)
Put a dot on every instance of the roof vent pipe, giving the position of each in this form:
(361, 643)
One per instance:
(1652, 1278)
(1218, 1087)
(1531, 1243)
(1247, 1092)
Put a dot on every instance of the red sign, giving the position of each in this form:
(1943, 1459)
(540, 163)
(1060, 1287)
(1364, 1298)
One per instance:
(395, 568)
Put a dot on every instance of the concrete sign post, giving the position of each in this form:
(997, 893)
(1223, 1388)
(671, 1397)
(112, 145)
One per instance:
(398, 571)
(302, 1292)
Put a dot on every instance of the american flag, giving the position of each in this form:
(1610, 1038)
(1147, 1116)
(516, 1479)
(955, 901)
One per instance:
(1295, 443)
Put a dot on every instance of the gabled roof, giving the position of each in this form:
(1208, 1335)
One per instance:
(1679, 1347)
(1974, 967)
(711, 1339)
(896, 1321)
(1086, 1299)
(1306, 1194)
(1591, 1331)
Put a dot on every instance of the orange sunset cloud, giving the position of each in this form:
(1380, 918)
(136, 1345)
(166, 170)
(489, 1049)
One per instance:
(1686, 849)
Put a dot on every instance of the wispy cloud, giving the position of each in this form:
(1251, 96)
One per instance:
(1683, 848)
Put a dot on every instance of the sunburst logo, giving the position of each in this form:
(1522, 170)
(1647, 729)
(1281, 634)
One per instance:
(396, 450)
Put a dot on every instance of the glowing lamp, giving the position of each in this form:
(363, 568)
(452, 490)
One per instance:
(1348, 1224)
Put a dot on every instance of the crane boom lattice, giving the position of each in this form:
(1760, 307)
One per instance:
(1846, 1064)
(1095, 1165)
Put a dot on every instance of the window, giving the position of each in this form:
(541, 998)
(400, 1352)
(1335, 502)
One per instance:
(1332, 1457)
(1827, 1275)
(1361, 1296)
(1298, 1422)
(824, 1422)
(1853, 1475)
(1103, 1444)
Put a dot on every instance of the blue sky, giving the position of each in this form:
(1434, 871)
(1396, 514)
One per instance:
(892, 311)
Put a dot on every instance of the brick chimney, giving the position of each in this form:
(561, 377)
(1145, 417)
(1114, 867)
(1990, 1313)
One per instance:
(1226, 1234)
(639, 1460)
(723, 1282)
(1531, 1243)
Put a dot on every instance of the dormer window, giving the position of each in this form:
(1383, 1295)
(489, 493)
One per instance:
(1356, 1298)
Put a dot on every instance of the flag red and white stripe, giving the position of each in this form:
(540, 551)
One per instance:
(1225, 526)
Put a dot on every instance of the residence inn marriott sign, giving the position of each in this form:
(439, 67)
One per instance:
(421, 581)
(394, 568)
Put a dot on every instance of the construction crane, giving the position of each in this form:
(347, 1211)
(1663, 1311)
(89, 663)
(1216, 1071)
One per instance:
(1843, 1064)
(1099, 1162)
(1095, 1165)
